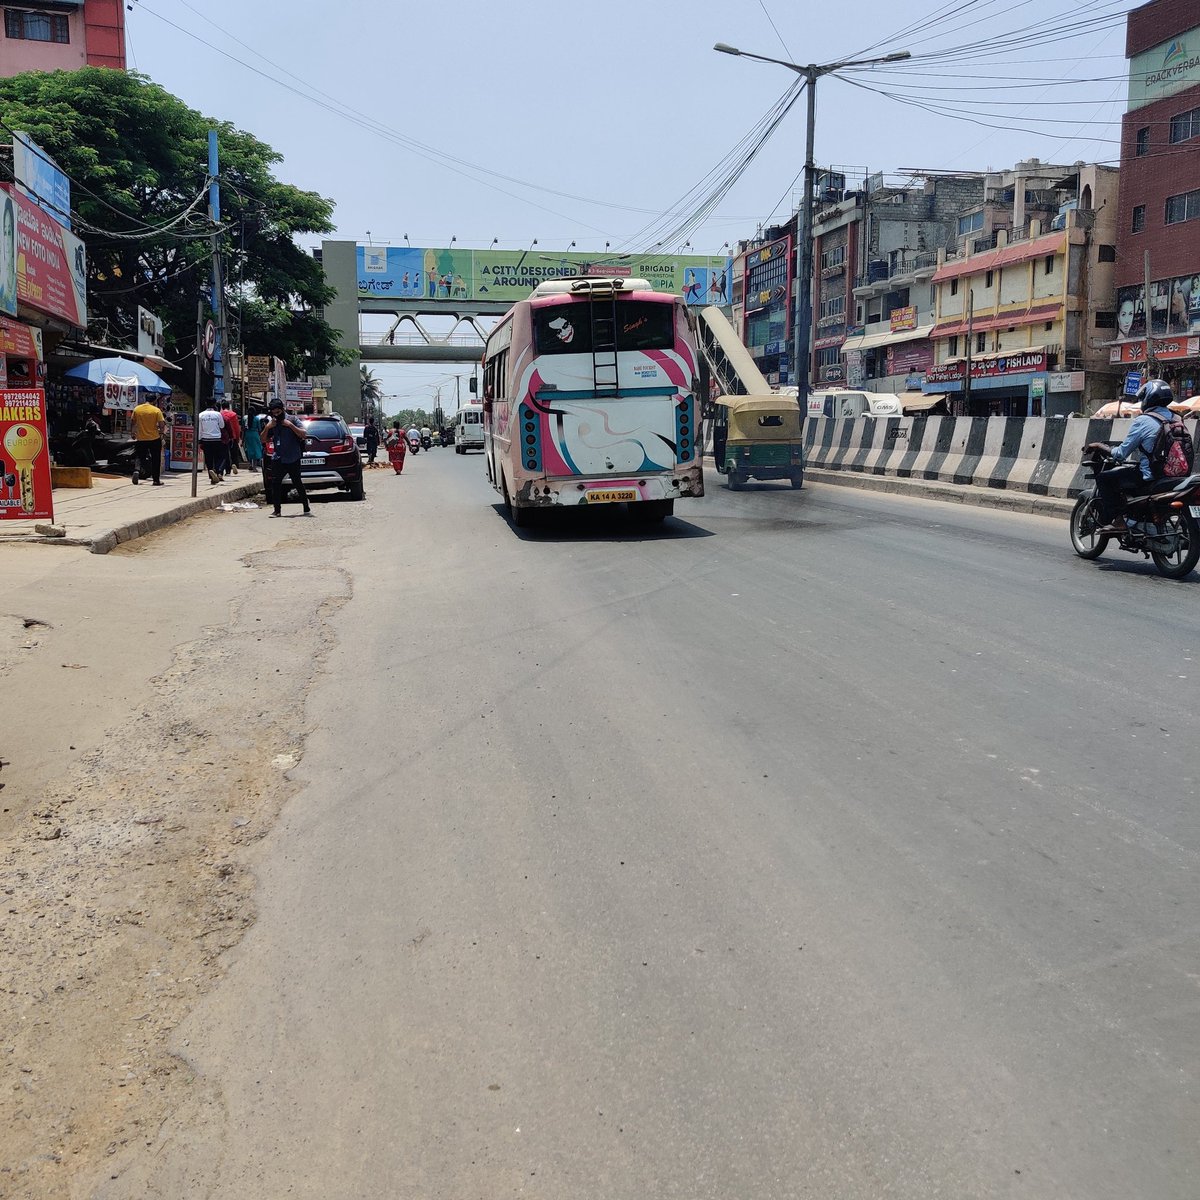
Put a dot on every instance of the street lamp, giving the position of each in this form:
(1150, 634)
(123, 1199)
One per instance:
(803, 315)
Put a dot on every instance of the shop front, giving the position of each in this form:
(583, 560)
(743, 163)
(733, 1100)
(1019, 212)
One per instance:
(1002, 385)
(1178, 360)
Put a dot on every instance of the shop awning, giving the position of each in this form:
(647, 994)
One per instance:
(871, 341)
(1034, 315)
(976, 264)
(911, 402)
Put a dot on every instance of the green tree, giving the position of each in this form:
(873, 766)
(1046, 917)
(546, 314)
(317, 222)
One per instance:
(369, 388)
(139, 158)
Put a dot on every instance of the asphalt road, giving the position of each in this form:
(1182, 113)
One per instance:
(820, 844)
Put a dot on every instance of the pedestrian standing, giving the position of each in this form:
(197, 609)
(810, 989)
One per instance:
(148, 424)
(397, 447)
(252, 441)
(212, 426)
(287, 437)
(231, 439)
(371, 437)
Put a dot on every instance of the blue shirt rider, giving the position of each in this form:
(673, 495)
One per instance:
(1154, 397)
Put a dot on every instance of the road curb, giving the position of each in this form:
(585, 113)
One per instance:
(102, 543)
(921, 489)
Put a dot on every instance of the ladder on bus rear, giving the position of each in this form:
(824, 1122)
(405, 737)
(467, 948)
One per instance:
(603, 313)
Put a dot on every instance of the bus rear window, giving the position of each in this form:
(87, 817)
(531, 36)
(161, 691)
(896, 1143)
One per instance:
(567, 329)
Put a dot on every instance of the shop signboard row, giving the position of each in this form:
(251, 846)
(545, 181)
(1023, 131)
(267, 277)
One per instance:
(25, 473)
(42, 264)
(433, 273)
(987, 368)
(1168, 348)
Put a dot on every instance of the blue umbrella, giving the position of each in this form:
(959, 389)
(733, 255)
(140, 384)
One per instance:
(98, 368)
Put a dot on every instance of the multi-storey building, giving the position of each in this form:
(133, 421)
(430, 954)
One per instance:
(763, 299)
(1022, 305)
(889, 349)
(1159, 208)
(62, 35)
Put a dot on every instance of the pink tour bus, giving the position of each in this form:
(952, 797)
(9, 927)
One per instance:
(589, 397)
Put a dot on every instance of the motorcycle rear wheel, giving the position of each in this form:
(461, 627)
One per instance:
(1085, 541)
(1183, 561)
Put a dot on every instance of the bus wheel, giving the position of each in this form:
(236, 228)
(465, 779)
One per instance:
(518, 516)
(653, 512)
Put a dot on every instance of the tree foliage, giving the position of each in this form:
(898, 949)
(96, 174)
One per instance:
(369, 388)
(139, 158)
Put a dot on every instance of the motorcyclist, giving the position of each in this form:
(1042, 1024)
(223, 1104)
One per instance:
(1124, 477)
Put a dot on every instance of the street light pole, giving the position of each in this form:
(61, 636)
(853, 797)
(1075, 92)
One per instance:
(802, 321)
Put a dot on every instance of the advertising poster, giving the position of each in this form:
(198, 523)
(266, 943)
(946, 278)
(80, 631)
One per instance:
(8, 254)
(51, 263)
(25, 493)
(412, 273)
(40, 179)
(120, 393)
(182, 444)
(1174, 308)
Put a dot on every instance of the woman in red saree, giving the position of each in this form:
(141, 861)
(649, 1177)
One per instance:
(397, 447)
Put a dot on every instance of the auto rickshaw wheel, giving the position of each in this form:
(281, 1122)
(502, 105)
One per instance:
(735, 479)
(797, 479)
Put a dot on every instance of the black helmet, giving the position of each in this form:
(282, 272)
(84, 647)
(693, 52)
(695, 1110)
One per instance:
(274, 405)
(1155, 394)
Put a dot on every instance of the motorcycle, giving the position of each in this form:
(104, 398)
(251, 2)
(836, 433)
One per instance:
(1163, 525)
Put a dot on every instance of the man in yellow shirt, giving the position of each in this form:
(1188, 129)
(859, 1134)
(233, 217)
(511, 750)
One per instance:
(148, 423)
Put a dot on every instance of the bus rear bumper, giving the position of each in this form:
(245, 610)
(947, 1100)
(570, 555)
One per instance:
(575, 491)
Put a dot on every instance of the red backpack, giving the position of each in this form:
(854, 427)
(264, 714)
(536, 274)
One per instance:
(1173, 453)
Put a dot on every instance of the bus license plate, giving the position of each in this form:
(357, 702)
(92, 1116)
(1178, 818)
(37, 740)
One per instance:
(612, 496)
(313, 460)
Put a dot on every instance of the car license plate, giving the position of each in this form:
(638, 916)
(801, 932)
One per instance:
(1194, 509)
(313, 460)
(612, 496)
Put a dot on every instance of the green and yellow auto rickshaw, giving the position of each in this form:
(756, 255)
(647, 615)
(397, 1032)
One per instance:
(758, 437)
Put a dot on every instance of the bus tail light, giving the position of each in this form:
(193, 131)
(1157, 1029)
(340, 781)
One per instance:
(685, 427)
(531, 439)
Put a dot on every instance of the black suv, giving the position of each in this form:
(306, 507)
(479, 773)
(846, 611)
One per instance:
(330, 458)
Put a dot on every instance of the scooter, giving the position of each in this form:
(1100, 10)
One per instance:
(1163, 525)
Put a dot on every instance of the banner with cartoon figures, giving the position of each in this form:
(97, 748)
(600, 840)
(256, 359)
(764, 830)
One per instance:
(24, 456)
(421, 273)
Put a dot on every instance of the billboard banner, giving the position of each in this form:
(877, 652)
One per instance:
(8, 255)
(1017, 363)
(150, 334)
(1174, 308)
(39, 178)
(1168, 68)
(424, 273)
(25, 493)
(20, 341)
(51, 263)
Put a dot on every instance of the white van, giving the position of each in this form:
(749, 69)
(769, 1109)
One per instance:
(846, 402)
(468, 428)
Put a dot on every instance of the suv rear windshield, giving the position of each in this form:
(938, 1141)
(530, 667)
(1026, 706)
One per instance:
(567, 328)
(325, 428)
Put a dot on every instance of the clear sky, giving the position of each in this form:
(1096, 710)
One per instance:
(593, 122)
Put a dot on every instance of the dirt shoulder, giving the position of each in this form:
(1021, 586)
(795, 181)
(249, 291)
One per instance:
(166, 687)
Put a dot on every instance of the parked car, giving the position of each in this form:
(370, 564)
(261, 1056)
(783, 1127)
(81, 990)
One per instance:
(358, 431)
(330, 460)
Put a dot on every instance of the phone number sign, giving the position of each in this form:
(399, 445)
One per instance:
(25, 488)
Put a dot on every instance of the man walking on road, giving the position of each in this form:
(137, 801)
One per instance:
(212, 444)
(287, 437)
(148, 424)
(371, 437)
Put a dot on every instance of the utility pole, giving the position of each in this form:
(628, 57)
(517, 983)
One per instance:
(218, 289)
(970, 334)
(196, 395)
(802, 332)
(1151, 361)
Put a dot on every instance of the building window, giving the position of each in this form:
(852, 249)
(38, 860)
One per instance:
(1185, 126)
(1142, 145)
(953, 347)
(1049, 264)
(954, 287)
(980, 343)
(1049, 326)
(833, 258)
(971, 223)
(1106, 253)
(829, 358)
(36, 26)
(1184, 207)
(1106, 319)
(833, 308)
(987, 279)
(1139, 218)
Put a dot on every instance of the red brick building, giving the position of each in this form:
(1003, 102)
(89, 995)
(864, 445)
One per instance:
(1159, 197)
(63, 35)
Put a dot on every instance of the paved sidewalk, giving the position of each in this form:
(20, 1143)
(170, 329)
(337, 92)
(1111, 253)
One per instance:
(113, 510)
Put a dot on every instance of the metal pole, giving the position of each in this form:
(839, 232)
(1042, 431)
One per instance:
(970, 334)
(1151, 364)
(196, 395)
(802, 333)
(218, 290)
